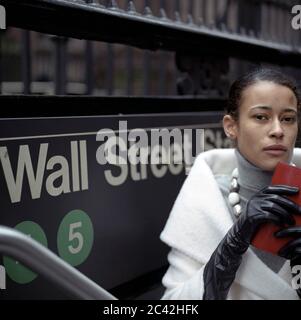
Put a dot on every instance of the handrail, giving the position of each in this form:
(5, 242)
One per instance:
(43, 261)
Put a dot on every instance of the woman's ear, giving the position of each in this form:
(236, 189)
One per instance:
(230, 127)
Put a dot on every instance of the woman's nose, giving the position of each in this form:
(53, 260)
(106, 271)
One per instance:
(276, 129)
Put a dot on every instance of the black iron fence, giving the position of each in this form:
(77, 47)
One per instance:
(130, 46)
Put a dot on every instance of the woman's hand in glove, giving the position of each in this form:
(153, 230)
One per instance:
(267, 205)
(291, 250)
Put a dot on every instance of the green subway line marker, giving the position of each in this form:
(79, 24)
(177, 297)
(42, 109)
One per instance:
(75, 237)
(15, 270)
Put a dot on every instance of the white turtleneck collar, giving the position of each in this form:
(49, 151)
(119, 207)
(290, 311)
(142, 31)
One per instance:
(251, 178)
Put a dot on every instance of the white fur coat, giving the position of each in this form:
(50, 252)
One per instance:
(198, 222)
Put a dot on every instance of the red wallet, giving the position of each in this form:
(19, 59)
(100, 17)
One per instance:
(264, 238)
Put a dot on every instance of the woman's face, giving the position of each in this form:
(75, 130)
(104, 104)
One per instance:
(267, 127)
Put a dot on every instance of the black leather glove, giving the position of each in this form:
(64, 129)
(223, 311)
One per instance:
(268, 205)
(292, 250)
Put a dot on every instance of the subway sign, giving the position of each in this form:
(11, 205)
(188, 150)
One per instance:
(59, 185)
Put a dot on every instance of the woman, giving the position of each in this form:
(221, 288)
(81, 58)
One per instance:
(227, 196)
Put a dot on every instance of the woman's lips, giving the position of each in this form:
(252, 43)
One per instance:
(275, 150)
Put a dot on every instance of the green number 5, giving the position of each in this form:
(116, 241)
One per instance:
(75, 235)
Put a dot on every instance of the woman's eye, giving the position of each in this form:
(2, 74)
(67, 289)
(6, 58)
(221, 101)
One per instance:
(260, 117)
(289, 119)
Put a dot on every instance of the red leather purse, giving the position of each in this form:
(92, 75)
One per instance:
(264, 238)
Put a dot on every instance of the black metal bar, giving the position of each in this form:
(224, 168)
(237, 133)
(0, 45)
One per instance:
(26, 61)
(216, 13)
(176, 72)
(146, 72)
(177, 5)
(162, 73)
(204, 11)
(30, 105)
(284, 15)
(1, 62)
(287, 29)
(162, 63)
(60, 65)
(140, 31)
(146, 63)
(265, 28)
(89, 77)
(129, 68)
(110, 69)
(272, 20)
(191, 7)
(278, 24)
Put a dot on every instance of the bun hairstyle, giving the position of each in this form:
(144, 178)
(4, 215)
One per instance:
(256, 75)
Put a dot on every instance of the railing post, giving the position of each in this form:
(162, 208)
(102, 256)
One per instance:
(26, 61)
(60, 64)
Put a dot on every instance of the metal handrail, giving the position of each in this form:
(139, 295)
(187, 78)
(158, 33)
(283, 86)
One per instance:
(43, 261)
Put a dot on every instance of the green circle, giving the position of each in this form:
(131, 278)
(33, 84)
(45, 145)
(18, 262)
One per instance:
(15, 270)
(75, 237)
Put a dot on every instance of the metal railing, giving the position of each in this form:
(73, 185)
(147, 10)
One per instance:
(41, 260)
(258, 31)
(158, 32)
